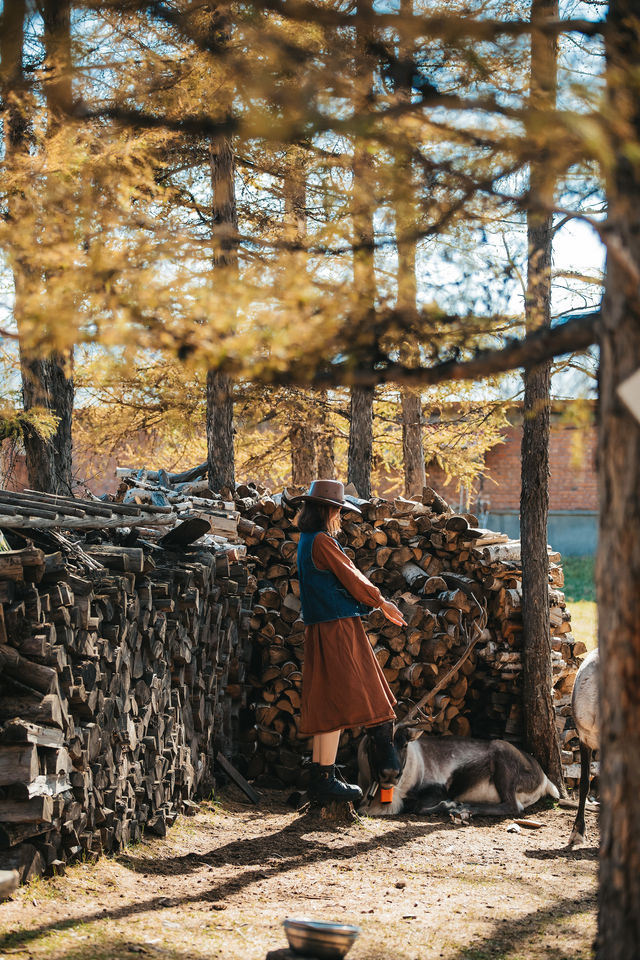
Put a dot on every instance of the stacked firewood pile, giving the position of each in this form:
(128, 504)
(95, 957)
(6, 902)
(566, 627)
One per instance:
(437, 565)
(45, 511)
(456, 584)
(121, 676)
(188, 496)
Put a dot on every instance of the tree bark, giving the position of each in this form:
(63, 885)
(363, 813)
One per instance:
(618, 564)
(304, 457)
(361, 440)
(220, 447)
(415, 476)
(326, 457)
(45, 383)
(539, 716)
(325, 443)
(411, 400)
(220, 432)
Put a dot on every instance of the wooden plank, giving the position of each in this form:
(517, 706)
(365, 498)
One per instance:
(237, 778)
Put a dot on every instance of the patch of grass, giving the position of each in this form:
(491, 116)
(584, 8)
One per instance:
(40, 889)
(584, 623)
(580, 594)
(579, 579)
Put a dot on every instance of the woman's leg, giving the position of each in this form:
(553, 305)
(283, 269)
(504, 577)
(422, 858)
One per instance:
(325, 747)
(324, 785)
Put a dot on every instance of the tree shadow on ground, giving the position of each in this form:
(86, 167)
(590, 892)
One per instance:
(285, 845)
(121, 948)
(510, 936)
(292, 844)
(564, 853)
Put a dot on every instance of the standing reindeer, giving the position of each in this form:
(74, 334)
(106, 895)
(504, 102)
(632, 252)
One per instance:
(586, 713)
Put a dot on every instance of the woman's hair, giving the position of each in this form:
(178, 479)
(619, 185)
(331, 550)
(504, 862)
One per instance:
(314, 517)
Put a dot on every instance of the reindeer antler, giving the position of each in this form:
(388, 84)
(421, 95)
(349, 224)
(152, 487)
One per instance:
(478, 629)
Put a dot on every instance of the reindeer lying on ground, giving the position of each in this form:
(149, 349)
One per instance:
(490, 778)
(586, 713)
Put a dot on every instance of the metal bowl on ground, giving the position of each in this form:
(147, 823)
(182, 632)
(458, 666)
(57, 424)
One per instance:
(314, 938)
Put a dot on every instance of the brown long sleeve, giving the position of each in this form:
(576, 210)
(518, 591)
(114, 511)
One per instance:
(327, 556)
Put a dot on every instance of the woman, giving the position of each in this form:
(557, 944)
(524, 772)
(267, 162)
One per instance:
(342, 683)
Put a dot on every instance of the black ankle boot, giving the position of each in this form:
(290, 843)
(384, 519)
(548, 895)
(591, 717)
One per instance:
(324, 785)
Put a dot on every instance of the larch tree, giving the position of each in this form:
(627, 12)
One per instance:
(47, 384)
(219, 420)
(618, 562)
(303, 434)
(364, 277)
(56, 16)
(539, 716)
(406, 232)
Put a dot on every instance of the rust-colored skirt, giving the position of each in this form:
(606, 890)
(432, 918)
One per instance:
(342, 683)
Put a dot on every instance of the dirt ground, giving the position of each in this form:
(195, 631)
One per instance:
(221, 883)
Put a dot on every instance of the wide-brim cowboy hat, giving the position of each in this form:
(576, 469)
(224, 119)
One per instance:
(330, 492)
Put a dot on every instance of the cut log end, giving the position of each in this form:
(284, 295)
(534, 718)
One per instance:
(336, 811)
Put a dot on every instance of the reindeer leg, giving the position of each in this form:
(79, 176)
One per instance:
(487, 772)
(431, 798)
(577, 837)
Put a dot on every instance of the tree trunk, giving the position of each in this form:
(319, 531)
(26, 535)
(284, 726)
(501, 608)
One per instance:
(220, 445)
(411, 401)
(415, 477)
(618, 565)
(45, 384)
(364, 277)
(46, 380)
(325, 443)
(57, 42)
(361, 440)
(220, 430)
(304, 458)
(303, 434)
(295, 207)
(326, 457)
(539, 717)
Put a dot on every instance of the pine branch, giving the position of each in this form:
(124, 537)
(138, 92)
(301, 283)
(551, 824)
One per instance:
(578, 333)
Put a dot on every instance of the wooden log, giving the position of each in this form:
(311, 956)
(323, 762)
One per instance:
(337, 812)
(46, 711)
(18, 762)
(9, 880)
(434, 500)
(38, 810)
(34, 675)
(25, 860)
(118, 558)
(414, 575)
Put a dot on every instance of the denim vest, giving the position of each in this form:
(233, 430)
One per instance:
(322, 595)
